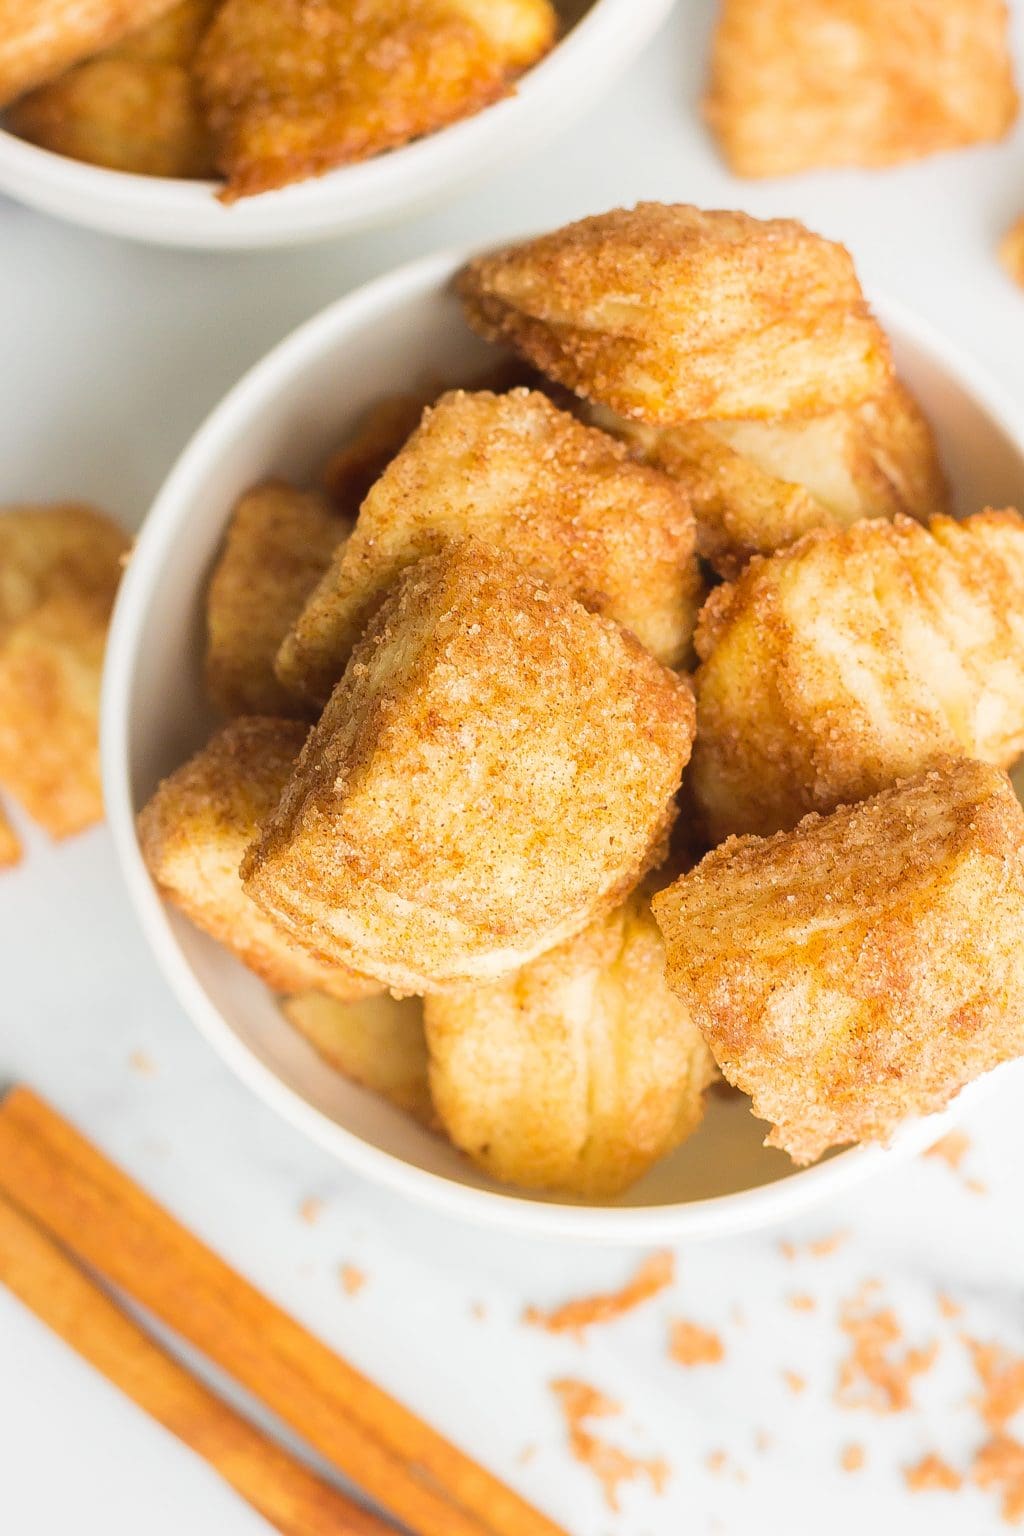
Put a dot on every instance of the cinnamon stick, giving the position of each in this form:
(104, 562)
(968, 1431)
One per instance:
(102, 1217)
(291, 1497)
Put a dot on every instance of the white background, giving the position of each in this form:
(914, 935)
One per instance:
(111, 355)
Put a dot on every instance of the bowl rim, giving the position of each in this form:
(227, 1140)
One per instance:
(714, 1216)
(179, 212)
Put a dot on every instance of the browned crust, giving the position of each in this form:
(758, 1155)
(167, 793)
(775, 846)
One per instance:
(194, 830)
(59, 570)
(864, 967)
(671, 313)
(517, 473)
(293, 88)
(855, 658)
(495, 768)
(40, 39)
(802, 84)
(278, 544)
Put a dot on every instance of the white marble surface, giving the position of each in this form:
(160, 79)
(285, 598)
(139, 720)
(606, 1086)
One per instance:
(111, 356)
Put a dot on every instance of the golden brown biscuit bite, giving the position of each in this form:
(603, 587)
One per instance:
(59, 570)
(10, 843)
(515, 472)
(279, 543)
(756, 486)
(293, 88)
(855, 658)
(495, 768)
(194, 830)
(577, 1072)
(132, 107)
(864, 967)
(39, 39)
(377, 1041)
(801, 84)
(671, 313)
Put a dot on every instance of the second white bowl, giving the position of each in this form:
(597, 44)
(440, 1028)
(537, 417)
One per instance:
(283, 419)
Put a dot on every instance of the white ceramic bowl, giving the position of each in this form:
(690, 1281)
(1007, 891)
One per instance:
(603, 37)
(284, 418)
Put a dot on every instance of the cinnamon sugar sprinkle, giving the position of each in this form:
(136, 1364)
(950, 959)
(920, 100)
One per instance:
(1000, 1464)
(352, 1279)
(654, 1275)
(951, 1149)
(876, 1374)
(931, 1474)
(1002, 1380)
(948, 1308)
(689, 1344)
(801, 1302)
(818, 1248)
(311, 1210)
(794, 1382)
(611, 1465)
(852, 1457)
(142, 1063)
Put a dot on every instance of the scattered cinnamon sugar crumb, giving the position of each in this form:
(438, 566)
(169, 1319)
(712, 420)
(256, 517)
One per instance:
(951, 1149)
(976, 1186)
(947, 1306)
(526, 1455)
(689, 1344)
(311, 1210)
(609, 1463)
(352, 1279)
(655, 1274)
(818, 1248)
(800, 1301)
(1000, 1464)
(715, 1461)
(874, 1375)
(143, 1064)
(763, 1441)
(794, 1382)
(1002, 1379)
(852, 1457)
(478, 1310)
(932, 1474)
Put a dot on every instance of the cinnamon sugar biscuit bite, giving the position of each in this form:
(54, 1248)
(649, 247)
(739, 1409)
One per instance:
(279, 543)
(132, 107)
(196, 827)
(496, 767)
(293, 88)
(59, 570)
(515, 472)
(854, 658)
(378, 1042)
(577, 1072)
(670, 313)
(802, 84)
(864, 967)
(39, 39)
(756, 486)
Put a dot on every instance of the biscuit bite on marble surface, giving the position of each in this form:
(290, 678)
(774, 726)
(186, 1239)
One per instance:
(756, 486)
(496, 767)
(40, 39)
(194, 831)
(132, 107)
(855, 658)
(293, 88)
(519, 474)
(378, 1042)
(864, 967)
(802, 84)
(670, 313)
(579, 1071)
(279, 542)
(59, 570)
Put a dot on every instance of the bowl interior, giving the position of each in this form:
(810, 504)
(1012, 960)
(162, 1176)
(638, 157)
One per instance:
(285, 419)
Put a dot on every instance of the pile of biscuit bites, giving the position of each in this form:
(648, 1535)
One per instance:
(468, 760)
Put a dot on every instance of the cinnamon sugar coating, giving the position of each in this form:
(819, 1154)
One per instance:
(865, 966)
